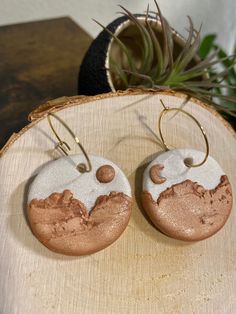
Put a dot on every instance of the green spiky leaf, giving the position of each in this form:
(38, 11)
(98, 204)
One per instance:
(160, 69)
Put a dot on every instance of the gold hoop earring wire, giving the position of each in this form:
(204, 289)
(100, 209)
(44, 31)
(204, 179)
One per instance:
(64, 147)
(165, 111)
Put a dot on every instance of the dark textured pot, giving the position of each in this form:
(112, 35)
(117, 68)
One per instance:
(94, 76)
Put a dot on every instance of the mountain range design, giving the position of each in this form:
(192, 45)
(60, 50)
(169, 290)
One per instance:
(187, 211)
(63, 224)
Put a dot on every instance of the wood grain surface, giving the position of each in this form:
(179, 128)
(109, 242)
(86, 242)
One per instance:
(144, 271)
(38, 61)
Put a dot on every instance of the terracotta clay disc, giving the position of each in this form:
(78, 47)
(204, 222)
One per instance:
(73, 213)
(192, 203)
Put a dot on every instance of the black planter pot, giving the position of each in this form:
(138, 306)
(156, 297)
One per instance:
(94, 76)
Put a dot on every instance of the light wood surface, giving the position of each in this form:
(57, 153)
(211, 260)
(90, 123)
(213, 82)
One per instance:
(143, 271)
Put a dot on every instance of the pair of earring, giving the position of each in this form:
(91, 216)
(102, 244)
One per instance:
(78, 209)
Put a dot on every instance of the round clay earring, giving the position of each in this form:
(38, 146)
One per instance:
(76, 208)
(186, 193)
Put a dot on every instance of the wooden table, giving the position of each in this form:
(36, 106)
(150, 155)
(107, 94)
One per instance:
(38, 61)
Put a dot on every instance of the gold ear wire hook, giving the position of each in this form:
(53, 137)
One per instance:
(187, 161)
(60, 143)
(64, 146)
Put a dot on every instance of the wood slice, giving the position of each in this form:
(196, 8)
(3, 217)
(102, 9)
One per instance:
(144, 271)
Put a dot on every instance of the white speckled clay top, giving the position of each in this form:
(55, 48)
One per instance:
(62, 174)
(175, 171)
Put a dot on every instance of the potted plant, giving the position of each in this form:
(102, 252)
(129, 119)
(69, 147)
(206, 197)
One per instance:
(144, 51)
(208, 46)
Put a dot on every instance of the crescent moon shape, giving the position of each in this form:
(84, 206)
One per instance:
(63, 224)
(155, 174)
(193, 203)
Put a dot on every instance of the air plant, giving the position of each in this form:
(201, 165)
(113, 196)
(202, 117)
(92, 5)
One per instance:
(161, 67)
(209, 45)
